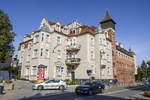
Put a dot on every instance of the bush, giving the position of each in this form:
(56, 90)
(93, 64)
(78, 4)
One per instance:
(23, 79)
(9, 81)
(1, 81)
(147, 93)
(71, 82)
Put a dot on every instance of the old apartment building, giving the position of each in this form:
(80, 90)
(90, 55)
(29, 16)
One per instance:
(75, 51)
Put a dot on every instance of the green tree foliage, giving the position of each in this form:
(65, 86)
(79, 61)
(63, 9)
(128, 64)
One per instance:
(144, 65)
(6, 37)
(11, 70)
(148, 63)
(140, 74)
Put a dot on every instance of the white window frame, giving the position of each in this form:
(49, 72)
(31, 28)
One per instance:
(57, 27)
(58, 40)
(100, 41)
(42, 38)
(46, 53)
(36, 38)
(92, 42)
(59, 54)
(92, 55)
(28, 58)
(41, 52)
(35, 52)
(29, 45)
(47, 38)
(34, 70)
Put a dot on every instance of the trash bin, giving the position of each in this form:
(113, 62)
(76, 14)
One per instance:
(1, 89)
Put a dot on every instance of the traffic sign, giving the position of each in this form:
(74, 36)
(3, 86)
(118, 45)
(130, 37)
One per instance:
(62, 69)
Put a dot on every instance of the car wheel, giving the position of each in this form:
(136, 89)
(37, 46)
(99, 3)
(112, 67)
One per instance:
(102, 90)
(61, 87)
(40, 87)
(90, 92)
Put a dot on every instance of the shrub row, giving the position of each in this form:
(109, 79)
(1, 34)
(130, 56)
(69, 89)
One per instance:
(147, 93)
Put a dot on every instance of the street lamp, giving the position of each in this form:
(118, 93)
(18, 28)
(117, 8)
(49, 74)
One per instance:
(101, 55)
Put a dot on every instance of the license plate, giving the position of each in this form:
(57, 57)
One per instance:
(99, 87)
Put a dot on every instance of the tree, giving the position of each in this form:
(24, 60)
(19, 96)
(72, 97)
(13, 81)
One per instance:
(6, 37)
(148, 63)
(12, 70)
(140, 74)
(144, 66)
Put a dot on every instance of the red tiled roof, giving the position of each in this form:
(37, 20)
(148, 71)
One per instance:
(51, 23)
(84, 30)
(60, 32)
(25, 44)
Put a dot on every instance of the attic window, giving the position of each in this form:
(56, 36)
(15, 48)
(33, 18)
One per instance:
(57, 27)
(65, 30)
(77, 30)
(73, 31)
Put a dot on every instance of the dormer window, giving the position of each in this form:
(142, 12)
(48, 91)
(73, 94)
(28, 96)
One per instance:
(77, 30)
(65, 30)
(57, 27)
(73, 31)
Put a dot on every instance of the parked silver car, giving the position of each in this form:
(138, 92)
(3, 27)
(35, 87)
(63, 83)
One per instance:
(50, 84)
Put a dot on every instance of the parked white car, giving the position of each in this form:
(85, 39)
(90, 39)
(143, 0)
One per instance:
(50, 84)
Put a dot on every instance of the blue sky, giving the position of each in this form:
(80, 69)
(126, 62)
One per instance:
(132, 18)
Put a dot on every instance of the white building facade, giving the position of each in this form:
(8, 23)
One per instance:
(71, 51)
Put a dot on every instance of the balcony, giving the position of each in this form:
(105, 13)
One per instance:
(72, 61)
(73, 47)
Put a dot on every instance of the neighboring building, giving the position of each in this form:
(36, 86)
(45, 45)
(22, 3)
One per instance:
(70, 51)
(124, 62)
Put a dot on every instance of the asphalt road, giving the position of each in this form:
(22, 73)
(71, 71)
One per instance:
(110, 94)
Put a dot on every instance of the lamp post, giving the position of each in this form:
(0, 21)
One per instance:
(101, 55)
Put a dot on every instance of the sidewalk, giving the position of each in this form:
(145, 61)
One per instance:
(139, 96)
(8, 95)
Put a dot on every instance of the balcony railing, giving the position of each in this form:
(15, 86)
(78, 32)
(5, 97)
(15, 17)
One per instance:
(73, 47)
(72, 61)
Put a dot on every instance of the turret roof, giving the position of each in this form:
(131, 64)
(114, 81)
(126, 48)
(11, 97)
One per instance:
(107, 18)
